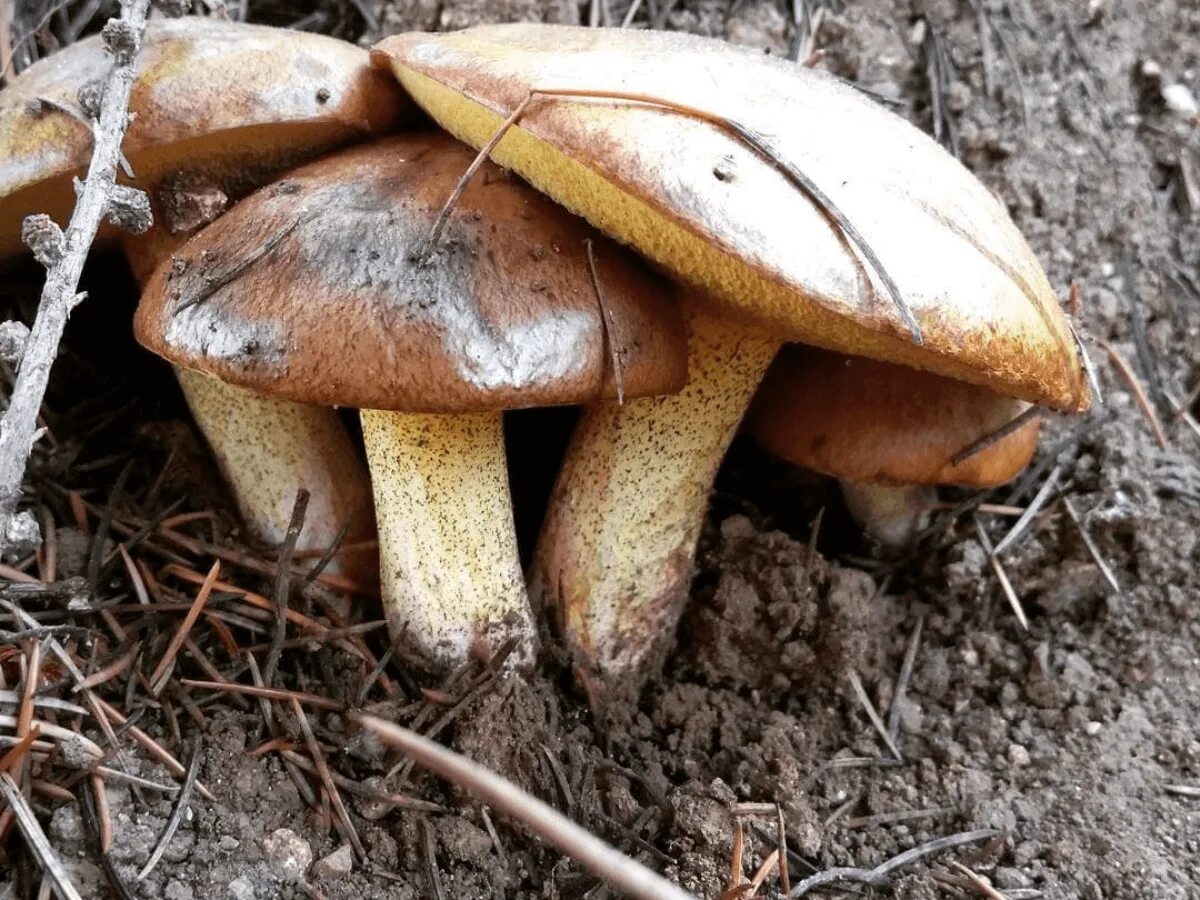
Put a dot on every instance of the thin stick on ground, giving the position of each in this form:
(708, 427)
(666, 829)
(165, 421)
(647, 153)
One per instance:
(881, 874)
(162, 671)
(1006, 586)
(1101, 564)
(1035, 506)
(345, 825)
(622, 872)
(865, 701)
(63, 256)
(36, 839)
(182, 802)
(283, 583)
(902, 680)
(1139, 393)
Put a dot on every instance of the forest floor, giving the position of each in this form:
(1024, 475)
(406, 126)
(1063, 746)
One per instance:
(1078, 740)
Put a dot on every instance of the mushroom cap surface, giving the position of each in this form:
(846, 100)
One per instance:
(213, 99)
(878, 423)
(717, 213)
(316, 289)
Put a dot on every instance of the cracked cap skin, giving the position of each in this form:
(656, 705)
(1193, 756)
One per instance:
(316, 289)
(224, 101)
(719, 215)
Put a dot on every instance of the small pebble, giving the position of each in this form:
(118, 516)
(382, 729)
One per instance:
(289, 854)
(1180, 100)
(336, 865)
(241, 889)
(1092, 728)
(1018, 756)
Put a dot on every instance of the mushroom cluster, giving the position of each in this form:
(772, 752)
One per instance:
(754, 212)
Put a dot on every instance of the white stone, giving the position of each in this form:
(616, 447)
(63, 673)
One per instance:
(289, 854)
(1180, 100)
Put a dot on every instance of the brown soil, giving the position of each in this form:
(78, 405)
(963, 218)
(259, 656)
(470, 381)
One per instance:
(1066, 738)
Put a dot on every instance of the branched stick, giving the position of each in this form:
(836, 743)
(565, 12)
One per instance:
(63, 256)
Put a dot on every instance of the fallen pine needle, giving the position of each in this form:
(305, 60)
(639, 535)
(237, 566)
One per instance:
(36, 839)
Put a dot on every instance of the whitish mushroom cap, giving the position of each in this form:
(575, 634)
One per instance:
(878, 423)
(316, 289)
(213, 99)
(715, 212)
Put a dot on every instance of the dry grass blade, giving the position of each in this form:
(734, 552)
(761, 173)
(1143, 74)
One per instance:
(865, 701)
(603, 860)
(36, 839)
(267, 693)
(995, 436)
(181, 807)
(1183, 790)
(881, 874)
(737, 885)
(283, 583)
(902, 680)
(431, 866)
(1030, 512)
(162, 671)
(346, 826)
(1139, 393)
(1010, 593)
(978, 882)
(1103, 566)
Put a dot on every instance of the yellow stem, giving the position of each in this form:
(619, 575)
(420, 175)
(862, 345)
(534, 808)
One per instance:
(615, 556)
(267, 449)
(451, 576)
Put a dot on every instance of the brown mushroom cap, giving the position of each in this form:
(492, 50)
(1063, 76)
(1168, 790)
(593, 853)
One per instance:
(718, 214)
(216, 100)
(878, 423)
(313, 289)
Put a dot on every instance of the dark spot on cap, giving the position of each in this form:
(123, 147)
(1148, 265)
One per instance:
(323, 95)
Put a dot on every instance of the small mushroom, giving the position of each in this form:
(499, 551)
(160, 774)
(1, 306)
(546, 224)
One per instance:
(351, 306)
(218, 108)
(888, 433)
(704, 185)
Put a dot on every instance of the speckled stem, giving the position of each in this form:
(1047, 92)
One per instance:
(267, 449)
(892, 514)
(451, 576)
(615, 555)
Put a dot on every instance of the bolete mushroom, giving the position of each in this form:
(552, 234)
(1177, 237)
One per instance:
(217, 109)
(888, 433)
(337, 299)
(738, 173)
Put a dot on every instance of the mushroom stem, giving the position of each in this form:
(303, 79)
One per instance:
(893, 514)
(268, 449)
(451, 574)
(616, 549)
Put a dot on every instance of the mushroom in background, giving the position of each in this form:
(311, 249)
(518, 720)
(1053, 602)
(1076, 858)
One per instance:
(888, 433)
(218, 109)
(345, 305)
(765, 262)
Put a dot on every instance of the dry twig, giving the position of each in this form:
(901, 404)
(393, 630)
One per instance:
(622, 872)
(63, 256)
